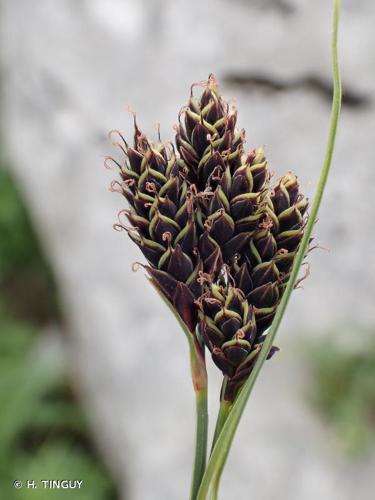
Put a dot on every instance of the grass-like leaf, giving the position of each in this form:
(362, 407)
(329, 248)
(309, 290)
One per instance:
(224, 442)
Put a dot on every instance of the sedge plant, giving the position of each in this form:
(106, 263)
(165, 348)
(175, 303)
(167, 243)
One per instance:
(223, 245)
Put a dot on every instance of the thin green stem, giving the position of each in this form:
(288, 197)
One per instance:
(200, 442)
(224, 410)
(216, 483)
(199, 378)
(224, 442)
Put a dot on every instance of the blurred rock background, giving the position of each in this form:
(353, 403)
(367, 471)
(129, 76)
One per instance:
(69, 72)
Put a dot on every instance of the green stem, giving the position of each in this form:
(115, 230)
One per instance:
(224, 410)
(216, 483)
(200, 442)
(199, 377)
(224, 442)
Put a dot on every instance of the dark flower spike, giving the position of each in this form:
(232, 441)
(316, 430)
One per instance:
(163, 220)
(229, 329)
(207, 134)
(219, 241)
(234, 211)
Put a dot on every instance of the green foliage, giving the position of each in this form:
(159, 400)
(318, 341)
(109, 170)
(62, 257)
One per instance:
(343, 389)
(18, 246)
(42, 431)
(43, 434)
(61, 461)
(26, 282)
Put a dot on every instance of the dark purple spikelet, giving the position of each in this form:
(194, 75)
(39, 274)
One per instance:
(162, 222)
(229, 329)
(207, 137)
(220, 241)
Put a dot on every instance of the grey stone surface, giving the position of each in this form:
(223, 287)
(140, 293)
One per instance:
(69, 72)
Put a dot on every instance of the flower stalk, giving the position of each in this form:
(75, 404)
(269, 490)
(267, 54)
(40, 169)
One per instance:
(224, 442)
(200, 383)
(200, 441)
(223, 245)
(224, 411)
(200, 386)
